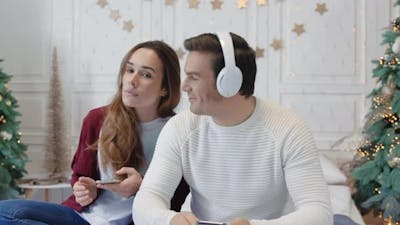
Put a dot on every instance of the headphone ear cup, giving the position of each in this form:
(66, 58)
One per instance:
(229, 81)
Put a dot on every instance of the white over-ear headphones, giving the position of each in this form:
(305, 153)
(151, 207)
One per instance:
(229, 79)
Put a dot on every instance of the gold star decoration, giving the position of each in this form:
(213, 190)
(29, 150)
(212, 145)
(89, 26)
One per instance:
(169, 2)
(262, 2)
(102, 3)
(241, 4)
(216, 4)
(259, 52)
(180, 53)
(128, 26)
(321, 8)
(276, 44)
(298, 29)
(193, 4)
(115, 15)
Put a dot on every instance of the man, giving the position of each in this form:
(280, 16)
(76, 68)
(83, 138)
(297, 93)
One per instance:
(247, 161)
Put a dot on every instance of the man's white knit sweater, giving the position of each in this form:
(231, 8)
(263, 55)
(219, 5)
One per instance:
(253, 170)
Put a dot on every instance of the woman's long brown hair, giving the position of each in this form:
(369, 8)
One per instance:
(120, 137)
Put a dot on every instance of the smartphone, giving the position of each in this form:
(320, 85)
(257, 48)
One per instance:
(203, 222)
(107, 181)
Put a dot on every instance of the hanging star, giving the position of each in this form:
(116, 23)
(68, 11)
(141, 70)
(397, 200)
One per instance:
(216, 4)
(298, 29)
(102, 3)
(193, 4)
(321, 8)
(241, 4)
(115, 15)
(262, 2)
(259, 52)
(180, 53)
(169, 2)
(276, 44)
(128, 26)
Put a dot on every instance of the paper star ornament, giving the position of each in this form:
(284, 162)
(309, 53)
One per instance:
(259, 52)
(114, 14)
(216, 4)
(298, 29)
(276, 44)
(321, 8)
(102, 3)
(241, 3)
(128, 26)
(180, 53)
(193, 4)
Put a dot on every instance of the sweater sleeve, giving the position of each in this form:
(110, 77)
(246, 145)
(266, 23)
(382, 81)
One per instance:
(152, 201)
(84, 162)
(305, 181)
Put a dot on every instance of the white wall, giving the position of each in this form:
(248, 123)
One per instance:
(325, 73)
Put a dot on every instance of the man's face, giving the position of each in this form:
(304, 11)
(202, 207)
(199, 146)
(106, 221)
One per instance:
(199, 84)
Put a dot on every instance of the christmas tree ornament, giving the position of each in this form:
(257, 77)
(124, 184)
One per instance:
(394, 162)
(396, 45)
(396, 25)
(321, 8)
(382, 61)
(216, 4)
(5, 135)
(1, 98)
(387, 91)
(8, 102)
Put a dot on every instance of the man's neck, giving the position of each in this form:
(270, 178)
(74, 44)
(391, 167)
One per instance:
(235, 110)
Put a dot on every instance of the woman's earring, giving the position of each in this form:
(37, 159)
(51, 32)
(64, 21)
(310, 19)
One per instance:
(164, 92)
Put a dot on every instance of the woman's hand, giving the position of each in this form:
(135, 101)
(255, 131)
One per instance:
(127, 187)
(240, 221)
(184, 218)
(85, 190)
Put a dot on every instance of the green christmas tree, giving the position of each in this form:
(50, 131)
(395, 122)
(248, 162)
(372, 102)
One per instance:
(12, 151)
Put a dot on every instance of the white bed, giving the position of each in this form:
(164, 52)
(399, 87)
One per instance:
(340, 193)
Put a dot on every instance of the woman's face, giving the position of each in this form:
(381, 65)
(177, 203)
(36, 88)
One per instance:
(141, 82)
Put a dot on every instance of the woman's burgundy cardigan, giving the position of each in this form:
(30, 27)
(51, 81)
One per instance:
(84, 162)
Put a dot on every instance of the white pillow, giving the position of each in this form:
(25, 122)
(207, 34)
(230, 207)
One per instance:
(332, 173)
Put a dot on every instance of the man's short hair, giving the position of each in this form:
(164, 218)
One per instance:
(245, 57)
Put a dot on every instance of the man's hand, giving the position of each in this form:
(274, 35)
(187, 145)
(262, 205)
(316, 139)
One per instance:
(127, 187)
(240, 221)
(184, 218)
(85, 191)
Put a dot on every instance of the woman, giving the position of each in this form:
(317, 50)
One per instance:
(116, 143)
